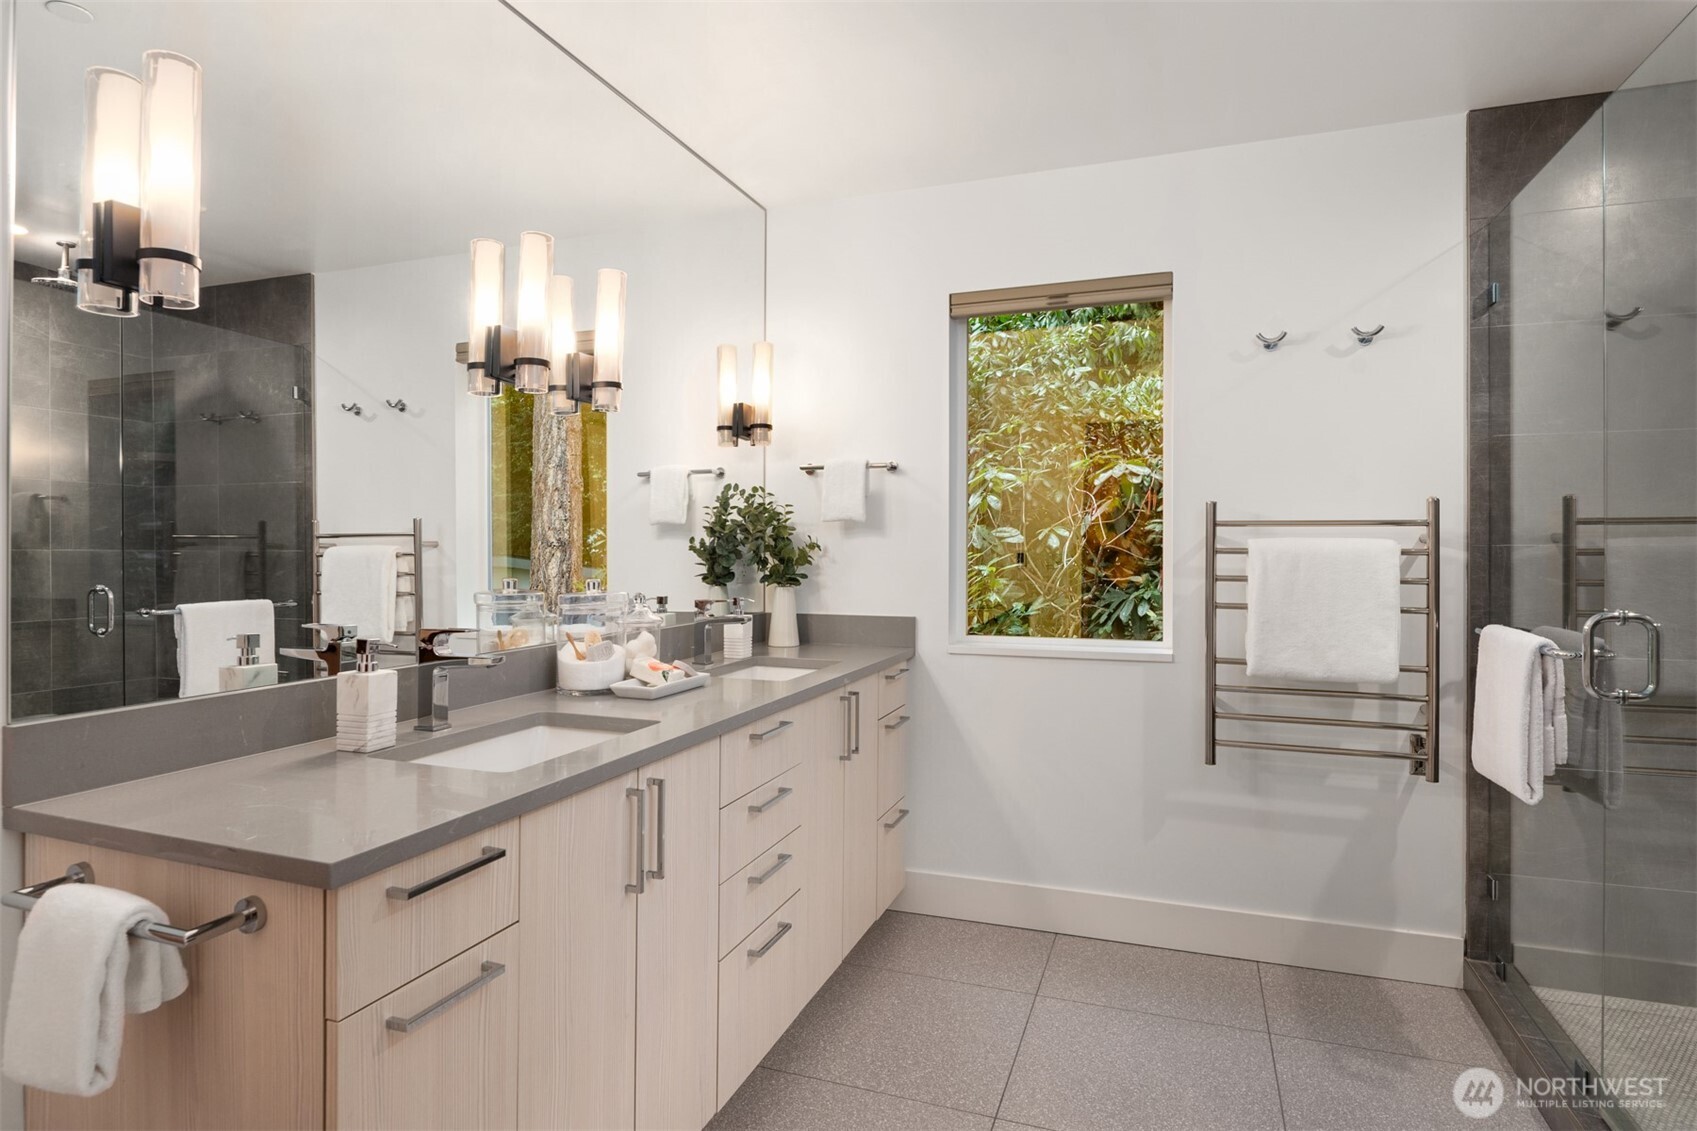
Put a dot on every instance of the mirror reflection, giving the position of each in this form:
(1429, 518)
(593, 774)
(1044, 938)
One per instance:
(343, 418)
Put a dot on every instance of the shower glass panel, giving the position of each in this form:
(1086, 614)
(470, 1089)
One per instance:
(1593, 480)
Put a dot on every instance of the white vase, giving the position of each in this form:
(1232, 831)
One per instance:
(781, 628)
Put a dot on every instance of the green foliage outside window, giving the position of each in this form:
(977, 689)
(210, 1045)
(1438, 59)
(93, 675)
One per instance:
(1064, 473)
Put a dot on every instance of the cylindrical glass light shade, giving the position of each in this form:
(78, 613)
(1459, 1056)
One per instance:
(760, 427)
(110, 172)
(727, 396)
(170, 180)
(488, 297)
(609, 338)
(536, 276)
(563, 344)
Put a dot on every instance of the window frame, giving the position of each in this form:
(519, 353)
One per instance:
(1154, 287)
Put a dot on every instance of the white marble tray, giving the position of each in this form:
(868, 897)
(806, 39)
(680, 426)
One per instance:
(636, 689)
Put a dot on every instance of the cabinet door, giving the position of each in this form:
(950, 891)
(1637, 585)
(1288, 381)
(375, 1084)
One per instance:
(677, 961)
(822, 828)
(892, 854)
(860, 810)
(577, 943)
(440, 1052)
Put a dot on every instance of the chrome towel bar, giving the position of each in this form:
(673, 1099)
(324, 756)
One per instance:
(715, 472)
(247, 917)
(889, 465)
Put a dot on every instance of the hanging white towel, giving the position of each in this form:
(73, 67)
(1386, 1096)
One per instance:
(206, 640)
(668, 495)
(1519, 711)
(78, 972)
(1327, 609)
(1594, 747)
(844, 492)
(356, 586)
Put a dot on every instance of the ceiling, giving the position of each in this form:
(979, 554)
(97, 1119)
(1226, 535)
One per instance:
(801, 101)
(347, 134)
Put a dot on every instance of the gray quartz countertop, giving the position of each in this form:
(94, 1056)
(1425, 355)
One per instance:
(310, 815)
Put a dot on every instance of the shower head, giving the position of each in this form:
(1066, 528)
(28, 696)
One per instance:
(64, 279)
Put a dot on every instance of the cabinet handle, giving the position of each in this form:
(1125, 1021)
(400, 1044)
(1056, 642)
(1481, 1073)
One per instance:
(783, 792)
(658, 785)
(901, 815)
(783, 858)
(848, 727)
(899, 723)
(490, 971)
(855, 695)
(760, 951)
(488, 856)
(762, 735)
(639, 849)
(897, 674)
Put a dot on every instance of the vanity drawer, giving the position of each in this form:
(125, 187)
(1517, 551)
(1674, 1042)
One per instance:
(757, 890)
(892, 758)
(440, 1052)
(892, 855)
(759, 819)
(759, 752)
(760, 992)
(387, 929)
(892, 690)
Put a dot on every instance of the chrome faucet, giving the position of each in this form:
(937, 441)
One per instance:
(704, 619)
(433, 688)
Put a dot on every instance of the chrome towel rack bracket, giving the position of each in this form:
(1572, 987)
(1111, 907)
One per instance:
(885, 465)
(247, 916)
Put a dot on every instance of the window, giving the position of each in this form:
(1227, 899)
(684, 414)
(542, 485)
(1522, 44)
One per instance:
(1061, 468)
(517, 432)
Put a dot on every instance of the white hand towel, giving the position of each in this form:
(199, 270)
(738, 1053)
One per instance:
(77, 973)
(206, 640)
(1594, 747)
(1519, 711)
(357, 586)
(668, 495)
(845, 491)
(1326, 609)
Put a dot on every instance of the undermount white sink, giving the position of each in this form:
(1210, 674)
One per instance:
(520, 749)
(767, 673)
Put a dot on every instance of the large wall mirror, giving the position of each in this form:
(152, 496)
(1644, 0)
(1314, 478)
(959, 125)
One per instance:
(316, 396)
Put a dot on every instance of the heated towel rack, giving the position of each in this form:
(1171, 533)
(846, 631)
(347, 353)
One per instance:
(247, 916)
(1574, 610)
(413, 553)
(1421, 731)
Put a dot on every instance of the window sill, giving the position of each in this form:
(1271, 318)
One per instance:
(1141, 651)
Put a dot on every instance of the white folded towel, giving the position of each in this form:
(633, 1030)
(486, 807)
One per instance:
(1594, 746)
(668, 495)
(77, 973)
(357, 586)
(206, 640)
(1327, 609)
(845, 491)
(1519, 711)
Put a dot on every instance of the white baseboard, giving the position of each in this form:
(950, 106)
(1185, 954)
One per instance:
(1409, 956)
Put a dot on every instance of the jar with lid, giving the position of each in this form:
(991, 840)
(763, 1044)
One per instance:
(511, 618)
(592, 640)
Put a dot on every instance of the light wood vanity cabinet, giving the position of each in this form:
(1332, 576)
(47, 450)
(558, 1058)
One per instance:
(622, 958)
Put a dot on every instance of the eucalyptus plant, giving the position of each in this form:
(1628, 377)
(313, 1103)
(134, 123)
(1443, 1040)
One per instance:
(750, 524)
(722, 540)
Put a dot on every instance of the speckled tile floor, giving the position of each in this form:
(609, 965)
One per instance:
(942, 1024)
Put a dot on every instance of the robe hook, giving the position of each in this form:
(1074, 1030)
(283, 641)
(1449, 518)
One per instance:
(1271, 343)
(1365, 337)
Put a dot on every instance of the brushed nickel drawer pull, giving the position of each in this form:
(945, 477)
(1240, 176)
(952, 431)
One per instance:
(848, 726)
(897, 674)
(488, 856)
(658, 785)
(899, 723)
(639, 849)
(760, 951)
(783, 858)
(901, 815)
(783, 792)
(489, 972)
(762, 735)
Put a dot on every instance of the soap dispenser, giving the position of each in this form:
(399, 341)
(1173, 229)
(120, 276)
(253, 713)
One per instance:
(365, 704)
(247, 671)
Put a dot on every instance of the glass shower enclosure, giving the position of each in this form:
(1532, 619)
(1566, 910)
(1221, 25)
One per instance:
(1591, 325)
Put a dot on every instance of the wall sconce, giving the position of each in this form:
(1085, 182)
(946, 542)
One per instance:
(749, 420)
(544, 356)
(141, 187)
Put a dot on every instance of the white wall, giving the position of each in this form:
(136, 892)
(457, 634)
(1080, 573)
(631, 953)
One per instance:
(1048, 775)
(389, 332)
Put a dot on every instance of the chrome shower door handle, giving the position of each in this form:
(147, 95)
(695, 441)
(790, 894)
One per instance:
(111, 611)
(1594, 651)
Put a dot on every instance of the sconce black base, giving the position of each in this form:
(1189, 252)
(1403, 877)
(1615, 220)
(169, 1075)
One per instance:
(745, 425)
(116, 261)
